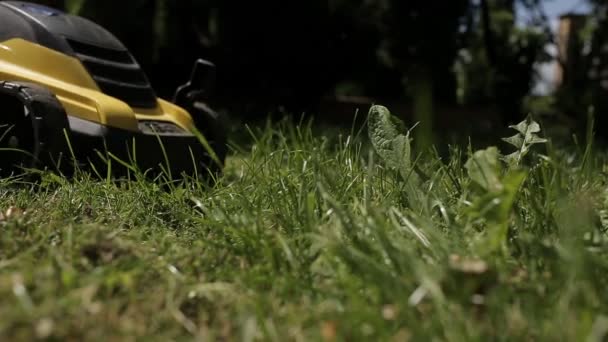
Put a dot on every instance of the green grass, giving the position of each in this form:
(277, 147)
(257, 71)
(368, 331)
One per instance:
(312, 237)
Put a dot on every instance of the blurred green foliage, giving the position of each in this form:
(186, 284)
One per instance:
(305, 49)
(275, 54)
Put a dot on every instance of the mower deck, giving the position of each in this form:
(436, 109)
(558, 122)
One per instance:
(97, 146)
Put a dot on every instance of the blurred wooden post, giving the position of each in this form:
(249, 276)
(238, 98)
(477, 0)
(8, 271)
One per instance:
(569, 47)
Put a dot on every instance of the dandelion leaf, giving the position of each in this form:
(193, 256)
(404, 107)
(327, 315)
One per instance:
(484, 169)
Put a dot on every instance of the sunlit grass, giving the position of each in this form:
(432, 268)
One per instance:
(307, 237)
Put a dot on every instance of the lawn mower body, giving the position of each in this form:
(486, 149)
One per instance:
(110, 107)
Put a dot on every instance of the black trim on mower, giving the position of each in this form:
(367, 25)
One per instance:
(155, 153)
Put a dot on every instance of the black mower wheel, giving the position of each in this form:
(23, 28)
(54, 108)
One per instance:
(32, 126)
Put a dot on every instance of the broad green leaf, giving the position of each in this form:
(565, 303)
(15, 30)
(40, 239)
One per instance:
(495, 209)
(395, 150)
(393, 147)
(402, 151)
(484, 169)
(512, 182)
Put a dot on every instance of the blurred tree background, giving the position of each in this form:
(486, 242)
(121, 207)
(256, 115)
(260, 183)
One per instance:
(275, 56)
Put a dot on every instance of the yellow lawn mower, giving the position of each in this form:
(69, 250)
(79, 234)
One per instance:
(72, 94)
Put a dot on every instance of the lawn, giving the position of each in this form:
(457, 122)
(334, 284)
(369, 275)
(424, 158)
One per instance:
(313, 236)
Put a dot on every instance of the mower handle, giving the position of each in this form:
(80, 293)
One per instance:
(201, 81)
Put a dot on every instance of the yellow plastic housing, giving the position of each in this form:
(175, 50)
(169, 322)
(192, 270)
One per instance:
(68, 79)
